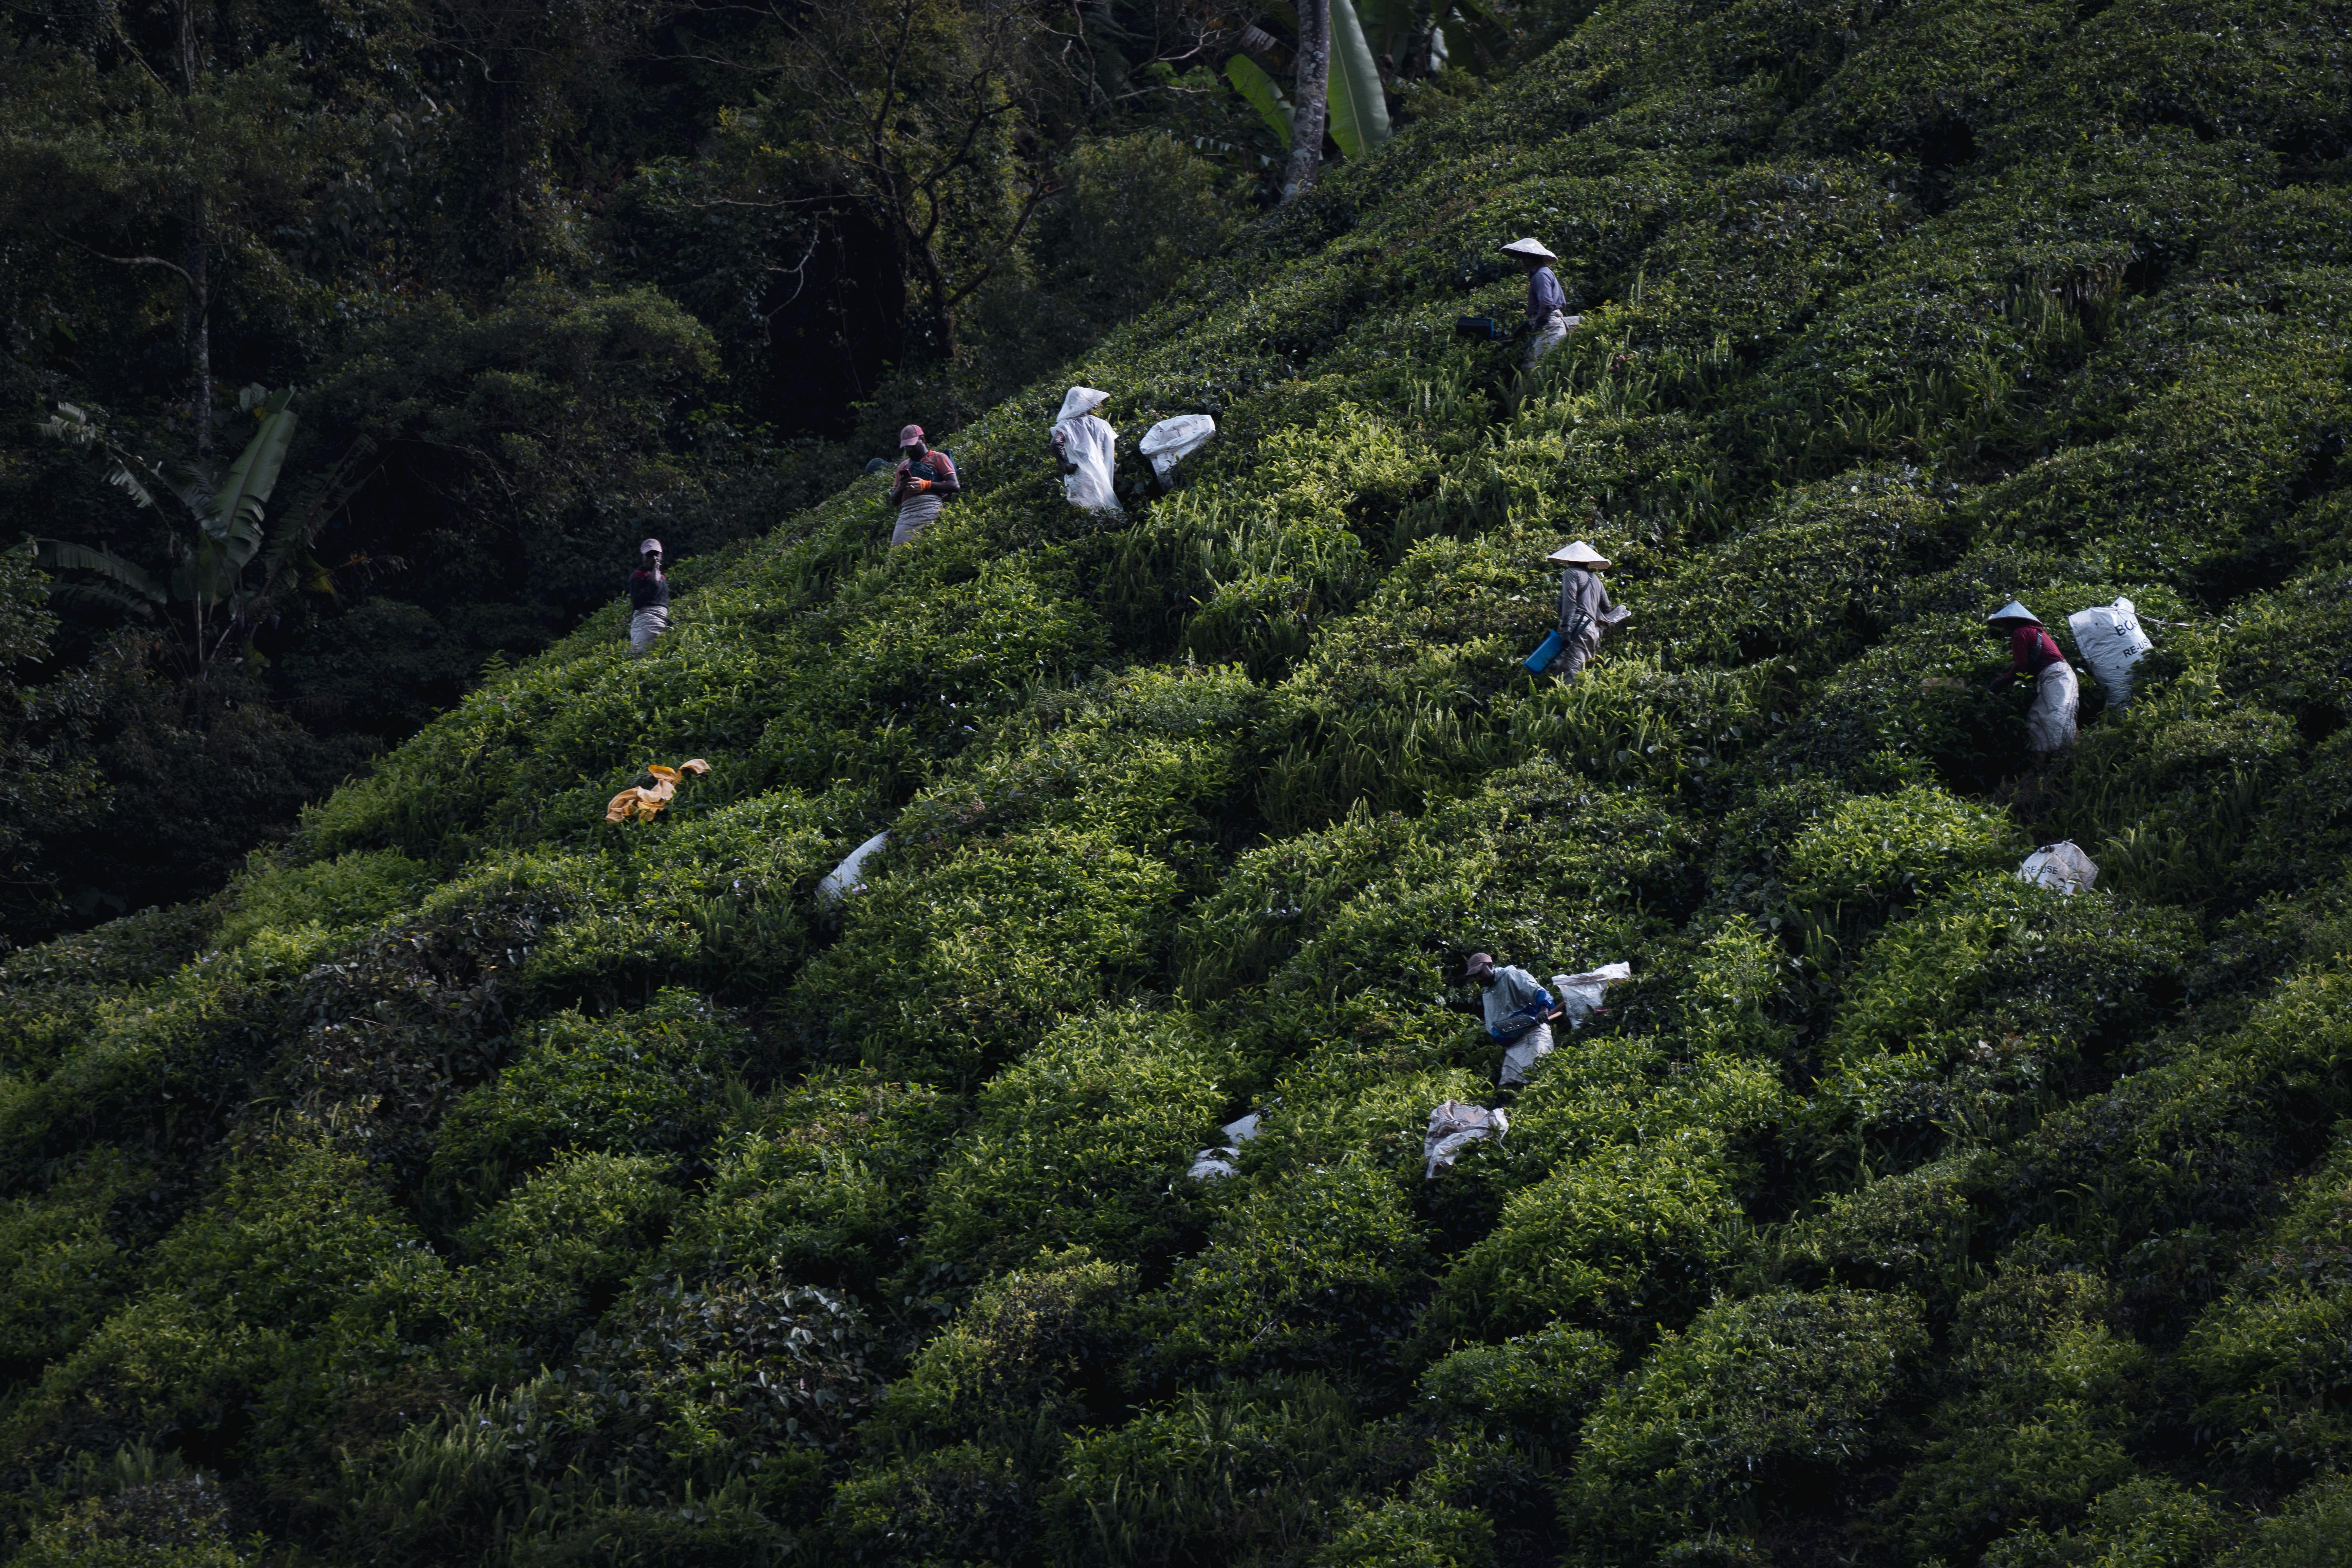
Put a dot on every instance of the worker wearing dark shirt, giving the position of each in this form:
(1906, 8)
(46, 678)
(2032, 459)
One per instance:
(648, 598)
(1547, 317)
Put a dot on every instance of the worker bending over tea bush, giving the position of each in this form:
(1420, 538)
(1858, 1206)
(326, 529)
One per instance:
(1519, 1012)
(2057, 698)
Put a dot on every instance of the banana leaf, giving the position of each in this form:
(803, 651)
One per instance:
(1249, 79)
(61, 555)
(1360, 114)
(237, 509)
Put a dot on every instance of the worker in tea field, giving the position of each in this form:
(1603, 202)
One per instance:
(1086, 447)
(1518, 1012)
(2050, 723)
(1585, 610)
(1547, 316)
(648, 599)
(924, 481)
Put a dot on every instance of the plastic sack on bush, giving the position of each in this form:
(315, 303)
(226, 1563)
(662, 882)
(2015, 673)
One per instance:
(1581, 993)
(645, 802)
(2112, 642)
(2062, 865)
(1212, 1164)
(1172, 441)
(846, 877)
(1454, 1127)
(1089, 445)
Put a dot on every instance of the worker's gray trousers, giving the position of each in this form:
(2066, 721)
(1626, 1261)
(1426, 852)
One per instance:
(1575, 653)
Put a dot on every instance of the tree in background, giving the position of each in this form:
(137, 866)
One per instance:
(1311, 98)
(223, 575)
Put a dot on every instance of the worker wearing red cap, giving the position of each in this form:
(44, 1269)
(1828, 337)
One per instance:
(923, 482)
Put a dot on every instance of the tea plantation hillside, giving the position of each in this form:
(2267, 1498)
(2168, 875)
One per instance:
(484, 1183)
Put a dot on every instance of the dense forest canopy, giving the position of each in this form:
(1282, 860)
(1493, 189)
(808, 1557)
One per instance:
(463, 1177)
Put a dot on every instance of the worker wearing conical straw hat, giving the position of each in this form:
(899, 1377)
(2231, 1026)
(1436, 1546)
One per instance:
(1584, 606)
(2032, 652)
(1547, 316)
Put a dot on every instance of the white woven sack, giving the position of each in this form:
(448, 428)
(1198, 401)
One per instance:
(1172, 441)
(2112, 642)
(1581, 993)
(846, 878)
(2062, 865)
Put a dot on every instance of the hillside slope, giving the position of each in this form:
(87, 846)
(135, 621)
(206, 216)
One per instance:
(488, 1184)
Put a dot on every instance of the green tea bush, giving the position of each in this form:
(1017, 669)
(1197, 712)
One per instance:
(2269, 1356)
(1917, 698)
(177, 1523)
(1318, 1270)
(1400, 1534)
(1621, 1240)
(1242, 1471)
(1879, 849)
(1084, 1142)
(355, 889)
(941, 970)
(1913, 1231)
(2304, 1533)
(643, 1082)
(2034, 1423)
(2152, 1521)
(1035, 1346)
(63, 1262)
(1539, 1385)
(963, 1504)
(823, 1181)
(554, 1252)
(1820, 579)
(2001, 956)
(1765, 1409)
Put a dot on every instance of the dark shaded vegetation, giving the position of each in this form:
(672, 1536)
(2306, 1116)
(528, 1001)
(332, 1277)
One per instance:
(474, 1181)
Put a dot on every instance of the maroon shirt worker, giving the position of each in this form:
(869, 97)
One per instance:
(923, 482)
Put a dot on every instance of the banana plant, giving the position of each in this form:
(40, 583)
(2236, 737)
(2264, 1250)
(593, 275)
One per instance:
(1357, 110)
(226, 573)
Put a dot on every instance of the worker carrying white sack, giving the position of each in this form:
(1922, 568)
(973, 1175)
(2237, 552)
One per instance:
(1086, 446)
(1518, 1011)
(1547, 316)
(1585, 610)
(2049, 724)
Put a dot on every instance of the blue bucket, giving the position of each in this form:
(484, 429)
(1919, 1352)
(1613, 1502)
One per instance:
(1540, 660)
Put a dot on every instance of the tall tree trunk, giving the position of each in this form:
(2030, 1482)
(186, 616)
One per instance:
(1309, 99)
(200, 323)
(197, 240)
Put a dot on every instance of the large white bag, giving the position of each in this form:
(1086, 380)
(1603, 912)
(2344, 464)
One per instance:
(2062, 865)
(846, 878)
(1454, 1127)
(1581, 993)
(1090, 444)
(1215, 1164)
(2112, 642)
(1172, 441)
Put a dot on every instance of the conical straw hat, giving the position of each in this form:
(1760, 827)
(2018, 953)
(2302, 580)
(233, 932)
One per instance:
(1534, 248)
(2013, 611)
(1578, 555)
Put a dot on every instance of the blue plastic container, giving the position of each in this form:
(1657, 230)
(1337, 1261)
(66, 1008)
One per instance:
(1540, 660)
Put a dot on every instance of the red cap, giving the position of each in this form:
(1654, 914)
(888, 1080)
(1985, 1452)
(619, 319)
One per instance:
(911, 434)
